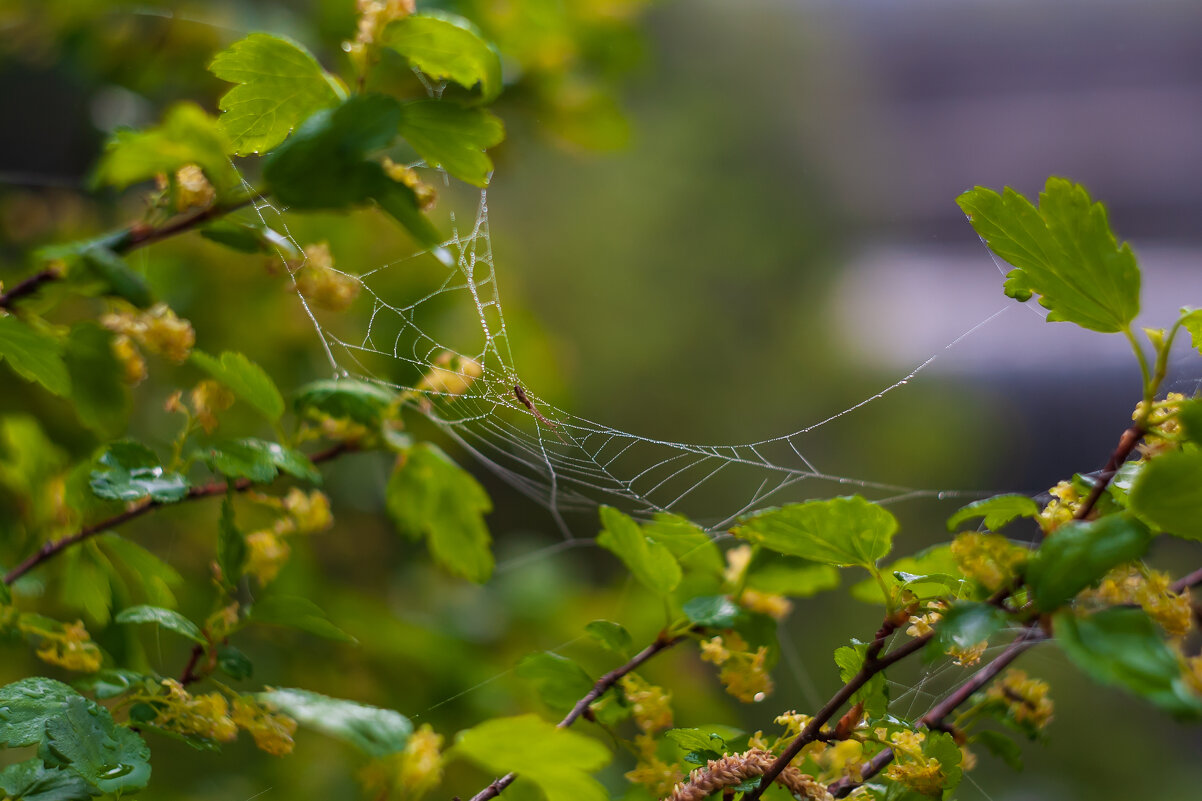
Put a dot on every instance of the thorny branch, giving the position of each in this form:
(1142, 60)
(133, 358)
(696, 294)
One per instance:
(603, 684)
(54, 547)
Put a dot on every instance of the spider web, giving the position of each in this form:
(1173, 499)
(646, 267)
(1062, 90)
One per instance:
(567, 463)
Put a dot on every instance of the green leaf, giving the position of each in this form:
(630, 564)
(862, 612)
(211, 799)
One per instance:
(279, 85)
(346, 399)
(696, 739)
(115, 682)
(326, 164)
(691, 546)
(297, 613)
(173, 621)
(932, 572)
(1002, 747)
(1064, 252)
(941, 746)
(840, 532)
(234, 663)
(374, 731)
(452, 137)
(1122, 646)
(1168, 494)
(612, 636)
(559, 681)
(247, 380)
(129, 471)
(239, 236)
(965, 624)
(87, 584)
(31, 780)
(231, 545)
(875, 692)
(715, 611)
(106, 755)
(1189, 414)
(186, 136)
(650, 562)
(557, 760)
(155, 577)
(26, 706)
(998, 511)
(789, 575)
(115, 274)
(1191, 321)
(33, 355)
(446, 46)
(1079, 554)
(258, 460)
(430, 496)
(100, 398)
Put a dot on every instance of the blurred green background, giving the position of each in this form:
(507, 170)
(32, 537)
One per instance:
(713, 222)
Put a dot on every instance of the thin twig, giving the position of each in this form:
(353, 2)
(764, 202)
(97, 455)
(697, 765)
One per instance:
(54, 547)
(1127, 443)
(603, 684)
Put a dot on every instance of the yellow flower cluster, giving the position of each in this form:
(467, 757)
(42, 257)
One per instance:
(450, 376)
(374, 15)
(272, 731)
(744, 673)
(424, 193)
(1061, 509)
(964, 657)
(737, 560)
(652, 772)
(156, 330)
(1027, 699)
(268, 549)
(208, 398)
(222, 623)
(409, 774)
(192, 188)
(205, 715)
(651, 705)
(71, 647)
(318, 281)
(843, 758)
(922, 625)
(1150, 589)
(768, 603)
(1162, 426)
(911, 767)
(989, 559)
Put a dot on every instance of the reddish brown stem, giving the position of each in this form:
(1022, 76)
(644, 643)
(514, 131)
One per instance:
(603, 684)
(54, 547)
(1127, 443)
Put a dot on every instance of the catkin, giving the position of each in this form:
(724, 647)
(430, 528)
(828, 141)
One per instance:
(735, 769)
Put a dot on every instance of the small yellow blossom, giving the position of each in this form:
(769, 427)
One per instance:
(450, 376)
(844, 758)
(206, 716)
(133, 366)
(266, 555)
(925, 777)
(652, 772)
(1152, 590)
(272, 731)
(221, 623)
(1163, 429)
(374, 16)
(651, 705)
(409, 774)
(157, 330)
(745, 676)
(71, 648)
(318, 281)
(989, 559)
(737, 560)
(793, 722)
(424, 193)
(966, 657)
(208, 398)
(922, 625)
(193, 189)
(1027, 699)
(768, 603)
(713, 651)
(1061, 508)
(309, 512)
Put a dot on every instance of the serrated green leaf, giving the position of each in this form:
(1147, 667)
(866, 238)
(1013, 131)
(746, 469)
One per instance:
(612, 636)
(558, 761)
(168, 619)
(155, 577)
(326, 164)
(26, 706)
(1191, 320)
(33, 781)
(1064, 252)
(279, 85)
(875, 692)
(231, 545)
(840, 532)
(129, 471)
(446, 46)
(33, 355)
(100, 398)
(1079, 554)
(559, 681)
(932, 572)
(258, 460)
(186, 136)
(1189, 414)
(116, 276)
(692, 547)
(297, 613)
(964, 625)
(84, 737)
(789, 575)
(374, 731)
(650, 562)
(453, 137)
(1122, 646)
(430, 496)
(1168, 494)
(696, 740)
(346, 399)
(247, 380)
(998, 511)
(115, 682)
(1002, 747)
(941, 747)
(715, 611)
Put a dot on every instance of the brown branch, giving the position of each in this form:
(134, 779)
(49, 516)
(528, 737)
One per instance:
(130, 238)
(934, 719)
(603, 684)
(1127, 443)
(54, 547)
(189, 674)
